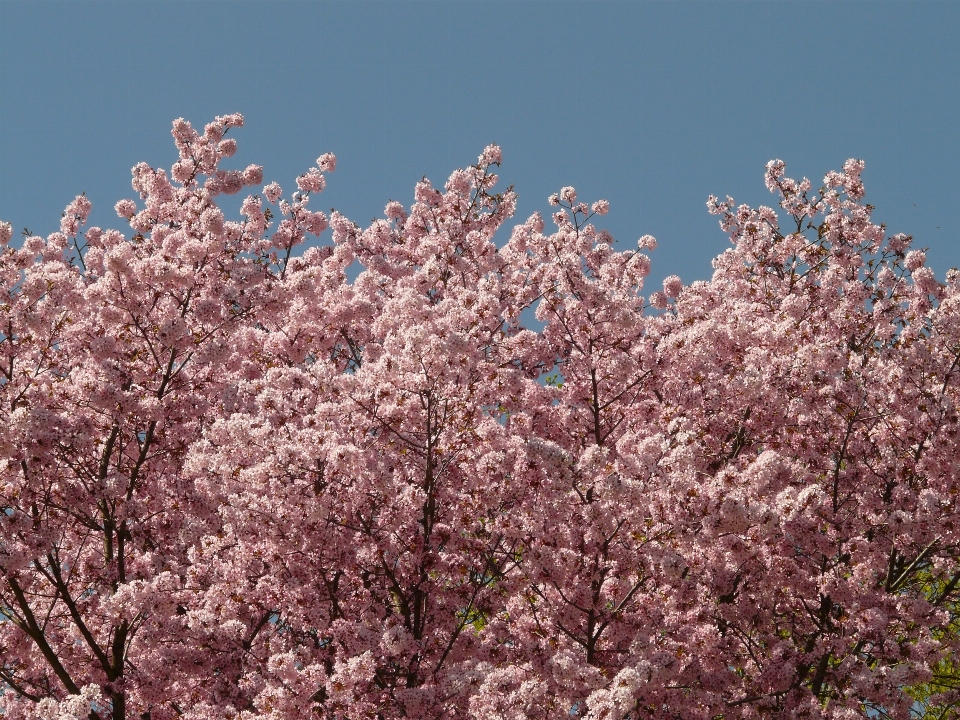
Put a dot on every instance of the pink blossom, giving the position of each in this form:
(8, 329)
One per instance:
(229, 182)
(915, 259)
(641, 263)
(853, 168)
(92, 236)
(75, 215)
(233, 120)
(183, 133)
(343, 229)
(600, 207)
(272, 192)
(492, 155)
(925, 280)
(460, 182)
(212, 220)
(395, 211)
(182, 171)
(6, 232)
(568, 195)
(833, 179)
(316, 223)
(659, 300)
(213, 131)
(311, 181)
(793, 306)
(900, 242)
(425, 193)
(672, 286)
(125, 208)
(33, 245)
(253, 175)
(647, 242)
(327, 162)
(773, 174)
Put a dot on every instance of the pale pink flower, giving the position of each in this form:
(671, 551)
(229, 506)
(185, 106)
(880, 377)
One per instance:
(125, 208)
(311, 181)
(773, 174)
(183, 132)
(647, 242)
(251, 206)
(272, 192)
(425, 193)
(315, 223)
(900, 242)
(492, 155)
(75, 214)
(233, 120)
(672, 285)
(600, 207)
(535, 223)
(659, 300)
(833, 179)
(459, 182)
(34, 245)
(253, 175)
(230, 182)
(793, 306)
(92, 236)
(56, 243)
(884, 330)
(111, 238)
(213, 131)
(69, 225)
(182, 170)
(853, 168)
(212, 220)
(924, 279)
(642, 264)
(395, 211)
(327, 162)
(886, 278)
(568, 194)
(342, 227)
(915, 259)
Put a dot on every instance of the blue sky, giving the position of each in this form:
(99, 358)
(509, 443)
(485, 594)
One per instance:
(652, 105)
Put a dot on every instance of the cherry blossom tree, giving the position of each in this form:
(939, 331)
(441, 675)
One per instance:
(242, 480)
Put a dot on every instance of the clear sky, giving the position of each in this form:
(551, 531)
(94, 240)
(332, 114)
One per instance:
(652, 105)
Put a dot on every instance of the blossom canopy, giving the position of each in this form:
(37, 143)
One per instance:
(239, 481)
